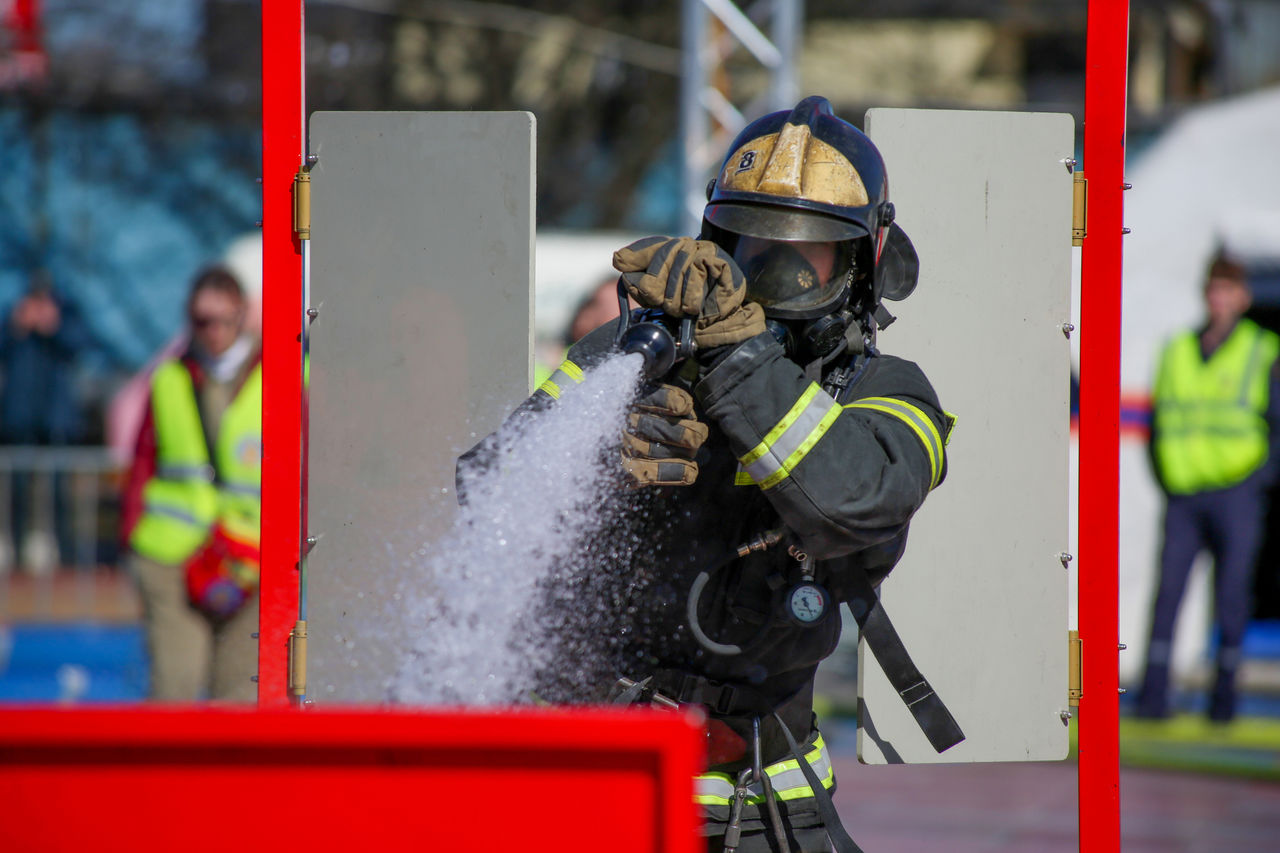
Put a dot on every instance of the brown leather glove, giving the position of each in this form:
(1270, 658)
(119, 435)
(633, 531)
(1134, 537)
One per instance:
(661, 438)
(691, 278)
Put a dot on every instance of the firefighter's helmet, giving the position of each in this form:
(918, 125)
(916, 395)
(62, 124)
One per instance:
(802, 203)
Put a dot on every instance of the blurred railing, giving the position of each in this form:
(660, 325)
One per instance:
(62, 563)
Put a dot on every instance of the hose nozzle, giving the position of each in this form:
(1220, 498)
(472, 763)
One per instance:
(655, 344)
(646, 332)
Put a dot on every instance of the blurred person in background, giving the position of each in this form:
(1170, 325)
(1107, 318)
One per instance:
(41, 339)
(192, 503)
(129, 404)
(1215, 428)
(597, 307)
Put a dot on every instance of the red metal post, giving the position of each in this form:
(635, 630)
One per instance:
(283, 147)
(1106, 81)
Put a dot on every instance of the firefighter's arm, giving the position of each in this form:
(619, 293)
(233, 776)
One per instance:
(842, 477)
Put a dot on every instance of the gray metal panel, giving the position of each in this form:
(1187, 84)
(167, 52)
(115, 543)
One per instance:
(422, 271)
(980, 597)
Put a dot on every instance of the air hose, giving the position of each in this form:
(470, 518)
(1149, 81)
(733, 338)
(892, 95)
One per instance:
(761, 542)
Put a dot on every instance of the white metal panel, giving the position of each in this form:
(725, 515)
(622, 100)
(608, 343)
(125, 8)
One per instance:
(422, 273)
(980, 597)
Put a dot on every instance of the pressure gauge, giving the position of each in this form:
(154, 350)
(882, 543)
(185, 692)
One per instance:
(807, 604)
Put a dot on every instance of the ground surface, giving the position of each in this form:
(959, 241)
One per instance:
(1032, 808)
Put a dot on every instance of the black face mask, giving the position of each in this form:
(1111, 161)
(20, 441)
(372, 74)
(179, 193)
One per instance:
(805, 341)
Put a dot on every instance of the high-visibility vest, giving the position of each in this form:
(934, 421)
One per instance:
(1210, 429)
(189, 492)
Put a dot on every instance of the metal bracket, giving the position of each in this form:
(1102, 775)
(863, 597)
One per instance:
(1079, 208)
(302, 203)
(1075, 678)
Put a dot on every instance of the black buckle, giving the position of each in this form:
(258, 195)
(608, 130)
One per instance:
(690, 688)
(724, 702)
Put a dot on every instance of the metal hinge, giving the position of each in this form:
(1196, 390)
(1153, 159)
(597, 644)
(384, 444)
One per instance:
(298, 659)
(302, 203)
(1075, 682)
(1079, 208)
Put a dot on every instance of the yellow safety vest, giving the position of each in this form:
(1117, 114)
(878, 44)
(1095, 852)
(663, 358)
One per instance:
(187, 494)
(1210, 429)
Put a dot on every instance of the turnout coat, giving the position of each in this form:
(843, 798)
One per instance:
(838, 462)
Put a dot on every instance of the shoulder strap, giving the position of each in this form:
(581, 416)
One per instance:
(836, 832)
(924, 704)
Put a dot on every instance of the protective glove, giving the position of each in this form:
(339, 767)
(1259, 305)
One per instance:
(684, 277)
(661, 438)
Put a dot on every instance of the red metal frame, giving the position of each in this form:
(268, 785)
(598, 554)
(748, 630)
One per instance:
(283, 149)
(210, 779)
(1106, 83)
(1105, 105)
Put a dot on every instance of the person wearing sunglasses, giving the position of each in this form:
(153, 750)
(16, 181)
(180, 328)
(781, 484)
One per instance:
(192, 503)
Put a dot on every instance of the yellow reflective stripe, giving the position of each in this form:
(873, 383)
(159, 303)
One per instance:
(716, 789)
(713, 789)
(800, 452)
(742, 478)
(781, 426)
(566, 371)
(792, 438)
(919, 423)
(574, 372)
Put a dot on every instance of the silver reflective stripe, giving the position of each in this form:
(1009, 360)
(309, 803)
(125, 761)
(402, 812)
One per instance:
(246, 489)
(713, 789)
(787, 778)
(186, 472)
(791, 439)
(171, 512)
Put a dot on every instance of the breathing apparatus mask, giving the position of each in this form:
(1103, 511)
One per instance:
(804, 288)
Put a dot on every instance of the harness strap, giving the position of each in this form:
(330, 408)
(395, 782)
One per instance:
(721, 697)
(821, 797)
(924, 704)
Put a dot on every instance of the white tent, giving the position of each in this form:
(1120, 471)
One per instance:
(1210, 179)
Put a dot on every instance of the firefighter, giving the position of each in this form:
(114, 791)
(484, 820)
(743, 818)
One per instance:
(774, 473)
